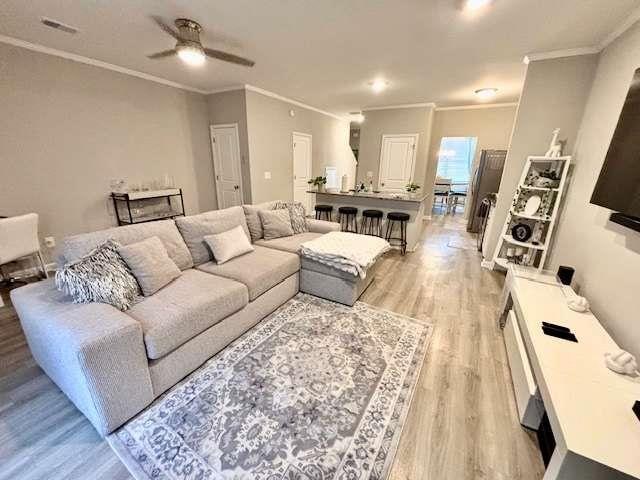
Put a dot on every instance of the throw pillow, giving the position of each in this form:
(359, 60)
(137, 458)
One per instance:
(229, 244)
(253, 218)
(298, 215)
(100, 276)
(276, 223)
(150, 264)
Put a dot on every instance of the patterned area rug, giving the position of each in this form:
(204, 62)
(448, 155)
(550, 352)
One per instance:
(316, 391)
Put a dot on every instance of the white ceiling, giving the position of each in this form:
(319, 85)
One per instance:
(324, 52)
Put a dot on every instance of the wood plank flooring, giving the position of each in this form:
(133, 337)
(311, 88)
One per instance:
(462, 423)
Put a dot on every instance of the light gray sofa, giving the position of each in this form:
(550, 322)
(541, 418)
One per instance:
(113, 364)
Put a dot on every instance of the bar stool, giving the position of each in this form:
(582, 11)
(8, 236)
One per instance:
(371, 223)
(401, 219)
(323, 212)
(347, 219)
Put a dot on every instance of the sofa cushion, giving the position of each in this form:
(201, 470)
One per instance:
(150, 264)
(276, 223)
(289, 244)
(77, 246)
(253, 219)
(229, 244)
(258, 270)
(186, 307)
(194, 228)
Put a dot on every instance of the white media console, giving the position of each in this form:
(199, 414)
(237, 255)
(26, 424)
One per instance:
(589, 407)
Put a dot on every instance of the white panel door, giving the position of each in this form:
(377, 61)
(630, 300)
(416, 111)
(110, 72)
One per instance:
(226, 163)
(302, 163)
(397, 161)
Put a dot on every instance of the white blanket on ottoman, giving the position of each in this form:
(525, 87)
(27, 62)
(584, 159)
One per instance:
(349, 252)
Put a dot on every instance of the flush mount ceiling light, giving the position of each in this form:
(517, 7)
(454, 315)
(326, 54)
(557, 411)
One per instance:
(486, 93)
(476, 4)
(378, 85)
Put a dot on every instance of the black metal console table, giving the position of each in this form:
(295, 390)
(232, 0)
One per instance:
(123, 202)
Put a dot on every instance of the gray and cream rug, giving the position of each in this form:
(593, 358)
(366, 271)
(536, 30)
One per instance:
(316, 391)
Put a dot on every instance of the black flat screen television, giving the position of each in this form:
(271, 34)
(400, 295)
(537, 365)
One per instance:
(618, 186)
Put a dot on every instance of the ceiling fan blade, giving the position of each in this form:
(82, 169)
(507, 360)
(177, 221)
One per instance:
(228, 57)
(166, 27)
(166, 53)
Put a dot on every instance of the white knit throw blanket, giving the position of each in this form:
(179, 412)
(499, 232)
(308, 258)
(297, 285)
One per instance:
(349, 252)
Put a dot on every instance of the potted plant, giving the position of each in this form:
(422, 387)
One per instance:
(412, 189)
(318, 182)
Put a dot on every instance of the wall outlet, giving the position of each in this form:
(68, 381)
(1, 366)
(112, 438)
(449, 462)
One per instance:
(49, 242)
(267, 175)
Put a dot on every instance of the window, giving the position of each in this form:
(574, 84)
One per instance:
(455, 158)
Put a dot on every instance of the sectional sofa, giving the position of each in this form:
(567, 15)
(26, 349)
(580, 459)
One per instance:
(112, 364)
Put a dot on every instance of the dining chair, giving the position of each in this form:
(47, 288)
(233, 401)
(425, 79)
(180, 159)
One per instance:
(458, 194)
(441, 191)
(19, 239)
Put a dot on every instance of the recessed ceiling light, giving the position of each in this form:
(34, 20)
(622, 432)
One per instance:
(476, 4)
(378, 85)
(486, 93)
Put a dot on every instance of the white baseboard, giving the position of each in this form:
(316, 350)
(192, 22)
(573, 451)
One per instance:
(426, 218)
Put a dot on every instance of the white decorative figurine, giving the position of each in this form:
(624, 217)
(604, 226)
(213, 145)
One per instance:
(555, 147)
(621, 362)
(574, 301)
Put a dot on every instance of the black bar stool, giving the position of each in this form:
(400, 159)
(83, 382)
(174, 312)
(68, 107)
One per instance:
(347, 219)
(401, 219)
(371, 223)
(323, 212)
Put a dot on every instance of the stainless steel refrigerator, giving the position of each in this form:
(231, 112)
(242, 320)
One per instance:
(485, 180)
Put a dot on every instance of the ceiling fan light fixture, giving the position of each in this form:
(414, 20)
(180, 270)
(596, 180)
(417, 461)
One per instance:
(191, 55)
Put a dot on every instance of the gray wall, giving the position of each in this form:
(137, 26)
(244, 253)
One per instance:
(392, 122)
(554, 95)
(67, 128)
(231, 107)
(492, 127)
(270, 129)
(606, 256)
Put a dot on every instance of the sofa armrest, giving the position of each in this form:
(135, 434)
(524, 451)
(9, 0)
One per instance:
(93, 352)
(322, 226)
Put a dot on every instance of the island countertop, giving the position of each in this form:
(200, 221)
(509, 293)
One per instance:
(403, 197)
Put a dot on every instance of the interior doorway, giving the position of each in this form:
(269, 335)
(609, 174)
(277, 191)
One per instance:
(225, 145)
(302, 168)
(455, 165)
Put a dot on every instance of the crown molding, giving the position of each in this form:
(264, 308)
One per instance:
(404, 105)
(16, 42)
(478, 106)
(570, 52)
(626, 24)
(268, 93)
(232, 88)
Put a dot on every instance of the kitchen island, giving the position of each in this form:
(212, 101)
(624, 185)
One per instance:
(386, 202)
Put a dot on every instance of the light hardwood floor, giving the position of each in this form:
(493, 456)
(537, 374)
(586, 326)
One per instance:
(462, 424)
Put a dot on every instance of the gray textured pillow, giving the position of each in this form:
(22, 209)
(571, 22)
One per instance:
(100, 276)
(194, 228)
(298, 215)
(229, 244)
(253, 218)
(276, 223)
(150, 264)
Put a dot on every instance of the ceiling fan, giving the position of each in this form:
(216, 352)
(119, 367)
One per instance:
(188, 46)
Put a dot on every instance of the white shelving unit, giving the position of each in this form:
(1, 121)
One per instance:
(533, 251)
